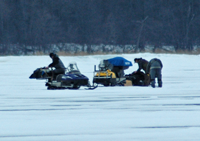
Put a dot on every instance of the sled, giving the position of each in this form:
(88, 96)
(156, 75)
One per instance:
(138, 79)
(41, 73)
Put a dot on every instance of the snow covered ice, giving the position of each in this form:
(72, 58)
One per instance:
(30, 112)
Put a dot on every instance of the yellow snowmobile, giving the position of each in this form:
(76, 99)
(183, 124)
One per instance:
(111, 72)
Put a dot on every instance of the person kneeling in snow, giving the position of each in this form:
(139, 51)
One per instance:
(154, 67)
(57, 64)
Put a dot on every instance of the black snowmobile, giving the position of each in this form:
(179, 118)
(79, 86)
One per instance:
(72, 79)
(111, 72)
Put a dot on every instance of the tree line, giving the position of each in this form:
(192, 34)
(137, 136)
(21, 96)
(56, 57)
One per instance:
(116, 22)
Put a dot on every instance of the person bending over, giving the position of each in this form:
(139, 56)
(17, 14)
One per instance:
(154, 67)
(142, 64)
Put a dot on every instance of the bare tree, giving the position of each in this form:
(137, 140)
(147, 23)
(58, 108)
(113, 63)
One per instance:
(189, 20)
(140, 33)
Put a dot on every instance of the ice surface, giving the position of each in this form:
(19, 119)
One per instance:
(30, 112)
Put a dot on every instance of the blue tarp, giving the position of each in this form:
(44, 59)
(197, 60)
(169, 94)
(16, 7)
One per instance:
(120, 61)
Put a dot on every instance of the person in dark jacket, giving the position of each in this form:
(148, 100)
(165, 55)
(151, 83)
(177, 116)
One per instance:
(57, 64)
(142, 64)
(154, 67)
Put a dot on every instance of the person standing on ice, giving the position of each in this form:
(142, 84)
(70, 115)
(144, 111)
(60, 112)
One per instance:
(57, 64)
(154, 67)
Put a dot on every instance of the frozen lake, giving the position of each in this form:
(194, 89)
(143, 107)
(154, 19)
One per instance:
(30, 112)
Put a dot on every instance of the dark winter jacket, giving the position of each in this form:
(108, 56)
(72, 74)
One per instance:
(142, 64)
(57, 63)
(154, 63)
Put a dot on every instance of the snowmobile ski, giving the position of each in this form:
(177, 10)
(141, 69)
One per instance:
(91, 87)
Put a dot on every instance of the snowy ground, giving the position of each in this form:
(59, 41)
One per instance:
(29, 112)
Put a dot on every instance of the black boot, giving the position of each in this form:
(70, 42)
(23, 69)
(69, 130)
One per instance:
(153, 83)
(159, 83)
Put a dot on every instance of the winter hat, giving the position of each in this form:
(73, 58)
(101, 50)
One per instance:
(51, 54)
(137, 59)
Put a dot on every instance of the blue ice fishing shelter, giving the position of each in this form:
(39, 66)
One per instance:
(120, 61)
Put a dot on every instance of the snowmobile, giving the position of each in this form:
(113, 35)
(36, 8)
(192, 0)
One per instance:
(71, 79)
(111, 72)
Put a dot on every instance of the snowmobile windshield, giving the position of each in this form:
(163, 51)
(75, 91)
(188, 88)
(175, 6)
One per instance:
(72, 68)
(104, 65)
